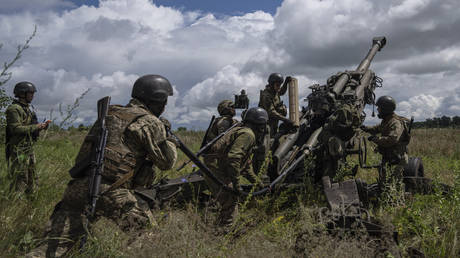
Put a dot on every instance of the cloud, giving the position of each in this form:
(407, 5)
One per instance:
(209, 58)
(420, 106)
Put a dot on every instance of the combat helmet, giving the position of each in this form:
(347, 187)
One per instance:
(275, 77)
(225, 107)
(21, 88)
(152, 88)
(256, 115)
(386, 104)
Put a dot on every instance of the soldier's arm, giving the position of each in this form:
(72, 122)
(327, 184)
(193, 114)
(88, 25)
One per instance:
(270, 108)
(150, 133)
(283, 88)
(14, 122)
(237, 153)
(393, 137)
(373, 129)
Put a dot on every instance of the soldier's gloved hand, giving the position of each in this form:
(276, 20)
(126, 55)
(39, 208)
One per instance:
(173, 140)
(43, 126)
(372, 138)
(288, 79)
(166, 123)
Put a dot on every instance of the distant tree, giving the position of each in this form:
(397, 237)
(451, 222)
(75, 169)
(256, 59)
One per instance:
(182, 129)
(456, 121)
(81, 127)
(444, 121)
(429, 123)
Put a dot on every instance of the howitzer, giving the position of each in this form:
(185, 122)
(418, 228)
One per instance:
(209, 145)
(326, 106)
(97, 164)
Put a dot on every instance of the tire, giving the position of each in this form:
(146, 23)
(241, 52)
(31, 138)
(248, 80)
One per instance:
(414, 168)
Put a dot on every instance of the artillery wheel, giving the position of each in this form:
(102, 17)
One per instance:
(414, 168)
(362, 151)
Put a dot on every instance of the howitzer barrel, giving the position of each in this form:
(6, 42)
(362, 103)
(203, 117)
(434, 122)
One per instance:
(377, 44)
(365, 80)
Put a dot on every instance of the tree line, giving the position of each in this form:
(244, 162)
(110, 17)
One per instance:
(439, 122)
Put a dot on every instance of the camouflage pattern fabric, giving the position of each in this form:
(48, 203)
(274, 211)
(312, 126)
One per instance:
(338, 131)
(146, 140)
(231, 157)
(271, 102)
(392, 143)
(20, 130)
(220, 125)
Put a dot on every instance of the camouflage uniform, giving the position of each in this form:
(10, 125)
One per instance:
(231, 156)
(21, 132)
(220, 125)
(392, 144)
(136, 144)
(336, 136)
(271, 102)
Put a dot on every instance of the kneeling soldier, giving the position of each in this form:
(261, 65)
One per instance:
(230, 156)
(136, 144)
(393, 140)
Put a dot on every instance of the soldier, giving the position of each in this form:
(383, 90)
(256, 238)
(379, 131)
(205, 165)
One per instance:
(22, 130)
(137, 143)
(393, 140)
(221, 124)
(230, 157)
(271, 102)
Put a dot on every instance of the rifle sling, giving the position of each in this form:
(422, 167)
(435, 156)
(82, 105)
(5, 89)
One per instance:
(119, 182)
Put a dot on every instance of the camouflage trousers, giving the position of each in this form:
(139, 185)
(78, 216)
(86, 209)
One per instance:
(22, 173)
(228, 201)
(66, 225)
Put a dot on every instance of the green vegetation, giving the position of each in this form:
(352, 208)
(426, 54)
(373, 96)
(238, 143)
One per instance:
(273, 226)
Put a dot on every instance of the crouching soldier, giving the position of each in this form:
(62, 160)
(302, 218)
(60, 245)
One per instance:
(136, 144)
(230, 156)
(393, 140)
(226, 111)
(22, 130)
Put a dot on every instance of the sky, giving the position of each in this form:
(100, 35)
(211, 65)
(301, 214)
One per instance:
(211, 51)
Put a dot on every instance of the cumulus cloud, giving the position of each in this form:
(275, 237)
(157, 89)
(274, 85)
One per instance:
(209, 58)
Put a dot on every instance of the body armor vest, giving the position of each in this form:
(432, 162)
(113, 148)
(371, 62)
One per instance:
(119, 160)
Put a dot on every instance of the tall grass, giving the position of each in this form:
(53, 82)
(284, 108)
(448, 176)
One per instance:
(272, 226)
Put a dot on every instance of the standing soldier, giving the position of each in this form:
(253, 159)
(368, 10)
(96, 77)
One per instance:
(22, 130)
(271, 102)
(221, 124)
(137, 143)
(230, 156)
(393, 140)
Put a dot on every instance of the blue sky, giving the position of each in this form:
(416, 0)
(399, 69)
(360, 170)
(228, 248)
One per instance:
(223, 7)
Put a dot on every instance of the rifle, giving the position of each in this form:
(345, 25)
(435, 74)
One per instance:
(209, 145)
(207, 133)
(97, 164)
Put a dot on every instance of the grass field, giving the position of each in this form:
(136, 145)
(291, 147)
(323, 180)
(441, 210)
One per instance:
(266, 227)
